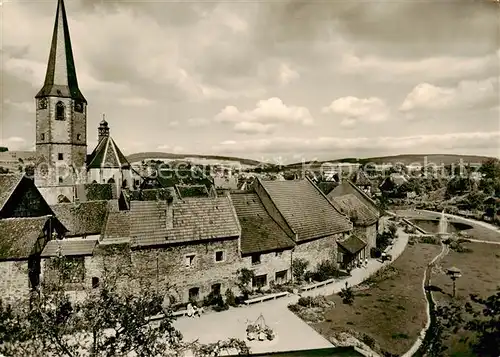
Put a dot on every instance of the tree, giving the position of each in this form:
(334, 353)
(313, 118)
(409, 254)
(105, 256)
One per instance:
(299, 267)
(106, 323)
(490, 168)
(479, 316)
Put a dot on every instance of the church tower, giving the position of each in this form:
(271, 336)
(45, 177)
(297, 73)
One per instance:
(61, 117)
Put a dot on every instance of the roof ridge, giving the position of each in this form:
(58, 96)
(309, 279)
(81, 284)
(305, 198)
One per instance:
(329, 201)
(259, 181)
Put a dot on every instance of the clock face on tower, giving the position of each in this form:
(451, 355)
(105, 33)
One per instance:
(42, 103)
(78, 107)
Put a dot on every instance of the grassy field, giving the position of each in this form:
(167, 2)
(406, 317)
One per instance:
(480, 275)
(392, 311)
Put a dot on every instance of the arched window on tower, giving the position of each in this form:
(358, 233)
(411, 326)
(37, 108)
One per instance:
(60, 111)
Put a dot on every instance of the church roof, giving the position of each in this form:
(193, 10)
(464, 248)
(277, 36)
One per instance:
(107, 155)
(60, 78)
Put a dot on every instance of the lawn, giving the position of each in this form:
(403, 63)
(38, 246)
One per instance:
(480, 275)
(392, 310)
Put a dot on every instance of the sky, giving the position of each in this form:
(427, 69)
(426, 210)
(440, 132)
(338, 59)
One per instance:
(269, 80)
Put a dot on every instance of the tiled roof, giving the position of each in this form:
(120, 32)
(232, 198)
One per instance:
(69, 247)
(259, 232)
(117, 228)
(8, 183)
(347, 187)
(361, 179)
(19, 235)
(352, 206)
(306, 209)
(108, 155)
(352, 244)
(82, 219)
(155, 223)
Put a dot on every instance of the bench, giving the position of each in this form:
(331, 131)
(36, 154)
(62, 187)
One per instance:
(317, 285)
(266, 297)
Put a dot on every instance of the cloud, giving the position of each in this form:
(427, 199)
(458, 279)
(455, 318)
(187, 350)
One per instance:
(173, 124)
(28, 107)
(287, 74)
(15, 143)
(291, 145)
(136, 102)
(248, 127)
(272, 110)
(197, 122)
(354, 110)
(384, 68)
(466, 94)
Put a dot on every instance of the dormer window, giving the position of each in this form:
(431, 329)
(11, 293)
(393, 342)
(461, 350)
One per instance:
(60, 111)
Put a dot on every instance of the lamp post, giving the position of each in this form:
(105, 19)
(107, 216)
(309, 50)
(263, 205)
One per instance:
(454, 274)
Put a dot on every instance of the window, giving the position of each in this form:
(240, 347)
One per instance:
(280, 277)
(219, 256)
(279, 254)
(78, 136)
(60, 156)
(216, 288)
(60, 111)
(256, 259)
(95, 282)
(259, 281)
(194, 294)
(42, 103)
(60, 180)
(42, 136)
(190, 260)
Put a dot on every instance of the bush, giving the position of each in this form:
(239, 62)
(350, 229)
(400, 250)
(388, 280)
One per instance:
(325, 270)
(299, 267)
(347, 295)
(230, 298)
(368, 340)
(375, 252)
(215, 300)
(245, 277)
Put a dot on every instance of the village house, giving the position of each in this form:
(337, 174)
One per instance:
(266, 249)
(361, 180)
(307, 216)
(364, 214)
(26, 224)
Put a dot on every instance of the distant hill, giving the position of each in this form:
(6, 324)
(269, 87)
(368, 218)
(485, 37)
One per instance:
(138, 157)
(445, 159)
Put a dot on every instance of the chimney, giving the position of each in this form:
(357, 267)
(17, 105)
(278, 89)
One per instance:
(103, 131)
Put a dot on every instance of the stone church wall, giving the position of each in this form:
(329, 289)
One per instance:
(14, 284)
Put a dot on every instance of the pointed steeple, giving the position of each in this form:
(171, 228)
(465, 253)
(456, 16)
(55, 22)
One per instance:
(60, 79)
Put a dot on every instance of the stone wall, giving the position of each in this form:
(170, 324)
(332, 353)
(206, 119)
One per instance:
(270, 264)
(14, 284)
(164, 269)
(317, 250)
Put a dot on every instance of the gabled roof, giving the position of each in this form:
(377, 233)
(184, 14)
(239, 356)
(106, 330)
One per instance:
(107, 155)
(117, 228)
(8, 183)
(18, 236)
(159, 223)
(60, 79)
(82, 219)
(347, 187)
(306, 209)
(69, 247)
(259, 232)
(353, 244)
(353, 207)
